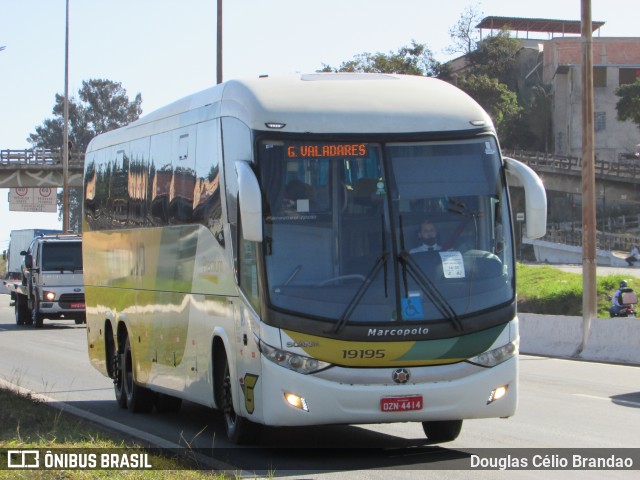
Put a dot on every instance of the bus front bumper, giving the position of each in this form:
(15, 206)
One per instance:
(328, 402)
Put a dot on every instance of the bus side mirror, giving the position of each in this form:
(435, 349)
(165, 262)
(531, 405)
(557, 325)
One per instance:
(250, 199)
(534, 195)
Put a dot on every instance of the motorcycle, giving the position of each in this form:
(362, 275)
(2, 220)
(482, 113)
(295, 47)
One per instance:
(624, 311)
(626, 308)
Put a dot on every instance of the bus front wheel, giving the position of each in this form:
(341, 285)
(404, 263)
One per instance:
(442, 431)
(239, 429)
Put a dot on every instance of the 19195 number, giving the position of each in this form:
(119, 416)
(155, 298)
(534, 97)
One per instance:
(368, 353)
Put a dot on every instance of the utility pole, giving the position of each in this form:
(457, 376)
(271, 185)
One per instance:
(589, 299)
(65, 135)
(219, 44)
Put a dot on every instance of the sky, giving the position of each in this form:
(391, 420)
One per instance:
(166, 49)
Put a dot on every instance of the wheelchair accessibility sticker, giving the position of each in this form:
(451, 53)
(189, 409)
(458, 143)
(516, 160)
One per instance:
(412, 307)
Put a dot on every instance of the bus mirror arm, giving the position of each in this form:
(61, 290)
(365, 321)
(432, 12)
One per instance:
(250, 200)
(535, 196)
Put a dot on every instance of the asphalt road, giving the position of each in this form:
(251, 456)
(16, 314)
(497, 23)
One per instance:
(563, 404)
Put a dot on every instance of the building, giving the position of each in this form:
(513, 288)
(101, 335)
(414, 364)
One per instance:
(556, 62)
(616, 61)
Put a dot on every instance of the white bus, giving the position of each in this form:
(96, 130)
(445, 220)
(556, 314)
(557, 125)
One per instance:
(256, 248)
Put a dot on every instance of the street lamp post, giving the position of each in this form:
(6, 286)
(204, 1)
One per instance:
(589, 298)
(219, 45)
(65, 135)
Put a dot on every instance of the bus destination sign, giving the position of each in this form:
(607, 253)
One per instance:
(324, 150)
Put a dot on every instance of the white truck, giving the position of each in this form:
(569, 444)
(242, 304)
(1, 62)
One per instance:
(19, 240)
(52, 284)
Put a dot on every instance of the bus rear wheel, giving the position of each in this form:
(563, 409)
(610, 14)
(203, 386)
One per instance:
(115, 363)
(442, 431)
(139, 399)
(239, 429)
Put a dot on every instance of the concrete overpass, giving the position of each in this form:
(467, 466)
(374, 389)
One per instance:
(38, 168)
(619, 181)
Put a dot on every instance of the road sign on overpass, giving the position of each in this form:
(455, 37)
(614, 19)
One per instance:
(41, 199)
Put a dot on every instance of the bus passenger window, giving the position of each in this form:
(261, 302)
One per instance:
(248, 272)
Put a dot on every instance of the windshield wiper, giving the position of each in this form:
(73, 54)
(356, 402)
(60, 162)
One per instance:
(430, 289)
(425, 284)
(380, 262)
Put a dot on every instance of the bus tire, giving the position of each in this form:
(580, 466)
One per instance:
(115, 370)
(22, 311)
(239, 429)
(442, 431)
(139, 399)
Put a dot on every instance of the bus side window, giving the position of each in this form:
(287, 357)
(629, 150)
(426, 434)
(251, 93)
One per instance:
(248, 271)
(207, 202)
(183, 182)
(160, 174)
(236, 144)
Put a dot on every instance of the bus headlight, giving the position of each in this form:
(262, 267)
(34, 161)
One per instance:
(49, 296)
(292, 361)
(494, 357)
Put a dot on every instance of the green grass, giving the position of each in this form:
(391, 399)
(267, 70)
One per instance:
(28, 423)
(548, 290)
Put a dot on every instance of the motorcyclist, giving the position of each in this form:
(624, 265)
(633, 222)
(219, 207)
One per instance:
(616, 301)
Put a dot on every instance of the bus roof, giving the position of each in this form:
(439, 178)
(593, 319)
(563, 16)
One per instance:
(321, 103)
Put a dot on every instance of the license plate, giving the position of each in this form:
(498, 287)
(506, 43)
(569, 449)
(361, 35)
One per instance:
(401, 404)
(76, 305)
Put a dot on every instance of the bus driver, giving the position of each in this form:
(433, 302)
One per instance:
(428, 236)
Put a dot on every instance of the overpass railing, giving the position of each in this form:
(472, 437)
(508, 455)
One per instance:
(38, 157)
(626, 168)
(604, 240)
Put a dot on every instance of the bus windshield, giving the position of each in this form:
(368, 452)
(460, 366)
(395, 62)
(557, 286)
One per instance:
(370, 233)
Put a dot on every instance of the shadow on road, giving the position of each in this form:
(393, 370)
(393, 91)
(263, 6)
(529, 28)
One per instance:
(281, 451)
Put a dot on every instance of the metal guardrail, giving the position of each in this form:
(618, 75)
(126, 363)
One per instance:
(604, 240)
(38, 157)
(627, 168)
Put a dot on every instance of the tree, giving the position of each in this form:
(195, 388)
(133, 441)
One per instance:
(628, 106)
(464, 35)
(496, 58)
(102, 105)
(500, 103)
(416, 59)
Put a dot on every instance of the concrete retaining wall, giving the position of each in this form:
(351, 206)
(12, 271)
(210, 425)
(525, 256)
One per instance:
(611, 339)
